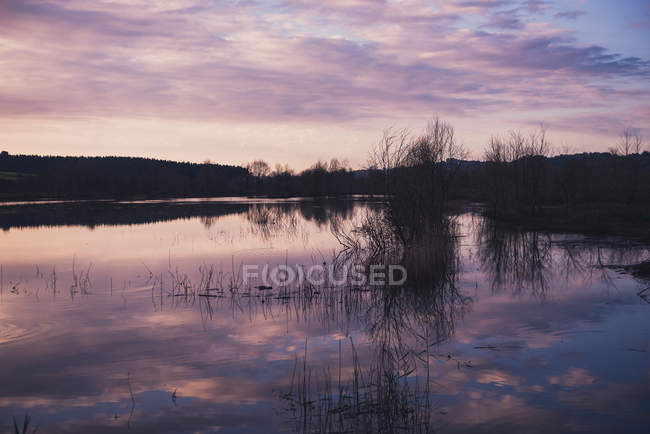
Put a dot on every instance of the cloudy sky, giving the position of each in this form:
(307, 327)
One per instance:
(297, 80)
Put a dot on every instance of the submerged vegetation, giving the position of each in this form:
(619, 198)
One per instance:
(413, 228)
(25, 427)
(389, 394)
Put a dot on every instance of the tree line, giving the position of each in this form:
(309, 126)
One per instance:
(38, 177)
(516, 176)
(32, 176)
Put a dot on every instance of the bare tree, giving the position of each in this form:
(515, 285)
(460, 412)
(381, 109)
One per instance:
(631, 142)
(337, 165)
(627, 176)
(282, 170)
(517, 170)
(431, 159)
(388, 154)
(417, 173)
(258, 168)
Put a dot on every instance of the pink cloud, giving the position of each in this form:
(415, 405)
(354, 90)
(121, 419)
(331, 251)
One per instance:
(303, 61)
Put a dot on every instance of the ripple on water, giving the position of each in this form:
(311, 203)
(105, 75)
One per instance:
(13, 333)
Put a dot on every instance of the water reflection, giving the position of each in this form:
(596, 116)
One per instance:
(528, 261)
(111, 329)
(99, 213)
(514, 259)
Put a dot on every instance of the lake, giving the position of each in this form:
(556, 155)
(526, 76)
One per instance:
(137, 316)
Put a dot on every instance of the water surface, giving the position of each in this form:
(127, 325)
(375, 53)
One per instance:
(103, 329)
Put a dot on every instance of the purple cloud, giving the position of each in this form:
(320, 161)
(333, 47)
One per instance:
(570, 15)
(536, 6)
(328, 61)
(506, 20)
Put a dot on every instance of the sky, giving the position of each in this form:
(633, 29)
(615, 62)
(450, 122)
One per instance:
(293, 81)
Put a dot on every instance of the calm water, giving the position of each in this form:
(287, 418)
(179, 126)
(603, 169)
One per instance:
(102, 328)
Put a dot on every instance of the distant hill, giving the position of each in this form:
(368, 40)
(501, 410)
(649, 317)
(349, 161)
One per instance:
(31, 176)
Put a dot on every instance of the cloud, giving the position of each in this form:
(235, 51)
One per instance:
(476, 6)
(536, 6)
(570, 15)
(575, 377)
(298, 61)
(554, 52)
(506, 20)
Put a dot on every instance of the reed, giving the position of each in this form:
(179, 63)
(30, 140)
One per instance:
(25, 428)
